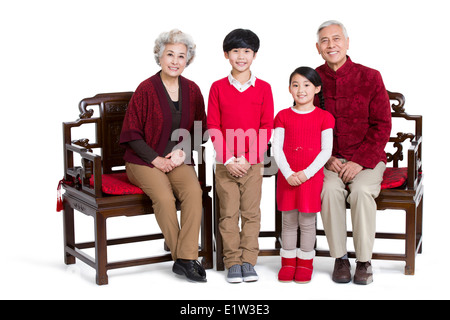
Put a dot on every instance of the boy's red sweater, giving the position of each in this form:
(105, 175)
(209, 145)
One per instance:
(240, 123)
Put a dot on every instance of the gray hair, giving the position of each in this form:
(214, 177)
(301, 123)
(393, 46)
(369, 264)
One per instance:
(331, 23)
(172, 37)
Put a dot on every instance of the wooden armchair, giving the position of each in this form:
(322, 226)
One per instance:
(99, 188)
(402, 189)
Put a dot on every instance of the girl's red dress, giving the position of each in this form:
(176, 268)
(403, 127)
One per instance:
(302, 144)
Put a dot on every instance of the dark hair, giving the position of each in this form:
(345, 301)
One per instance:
(312, 76)
(241, 38)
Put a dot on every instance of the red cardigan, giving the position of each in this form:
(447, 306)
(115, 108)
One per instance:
(355, 95)
(247, 118)
(148, 116)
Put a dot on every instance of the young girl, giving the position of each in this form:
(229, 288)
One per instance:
(303, 140)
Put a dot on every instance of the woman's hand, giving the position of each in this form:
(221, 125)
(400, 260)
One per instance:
(177, 156)
(164, 164)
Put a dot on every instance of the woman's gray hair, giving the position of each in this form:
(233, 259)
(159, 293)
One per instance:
(172, 37)
(331, 23)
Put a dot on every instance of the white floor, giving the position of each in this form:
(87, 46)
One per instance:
(41, 274)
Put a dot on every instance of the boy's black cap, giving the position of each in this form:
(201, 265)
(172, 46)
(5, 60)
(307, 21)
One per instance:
(241, 38)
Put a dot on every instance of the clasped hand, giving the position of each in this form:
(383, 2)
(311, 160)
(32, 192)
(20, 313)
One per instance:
(169, 162)
(238, 167)
(297, 178)
(346, 171)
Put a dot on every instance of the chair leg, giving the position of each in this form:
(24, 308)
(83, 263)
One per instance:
(420, 224)
(220, 266)
(410, 245)
(101, 257)
(69, 232)
(207, 236)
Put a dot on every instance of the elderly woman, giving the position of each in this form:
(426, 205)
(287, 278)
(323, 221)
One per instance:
(159, 107)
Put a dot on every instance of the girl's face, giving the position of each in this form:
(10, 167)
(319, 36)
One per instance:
(303, 91)
(173, 60)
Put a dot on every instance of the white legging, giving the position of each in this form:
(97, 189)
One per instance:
(307, 223)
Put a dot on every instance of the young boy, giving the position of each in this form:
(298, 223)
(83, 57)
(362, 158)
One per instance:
(240, 122)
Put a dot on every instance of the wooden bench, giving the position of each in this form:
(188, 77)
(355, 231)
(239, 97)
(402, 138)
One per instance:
(402, 189)
(98, 187)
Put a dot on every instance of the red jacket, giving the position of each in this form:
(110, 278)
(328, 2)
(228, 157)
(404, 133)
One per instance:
(148, 116)
(355, 95)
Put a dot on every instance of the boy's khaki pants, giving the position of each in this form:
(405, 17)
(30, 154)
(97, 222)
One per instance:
(239, 195)
(181, 238)
(364, 189)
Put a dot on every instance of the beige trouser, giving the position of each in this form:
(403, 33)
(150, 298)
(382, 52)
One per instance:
(239, 195)
(364, 189)
(182, 183)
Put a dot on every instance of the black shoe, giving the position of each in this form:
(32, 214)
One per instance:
(192, 269)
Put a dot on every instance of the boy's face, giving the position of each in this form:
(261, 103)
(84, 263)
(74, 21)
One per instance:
(240, 59)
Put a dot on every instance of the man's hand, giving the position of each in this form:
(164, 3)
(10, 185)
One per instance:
(334, 164)
(349, 170)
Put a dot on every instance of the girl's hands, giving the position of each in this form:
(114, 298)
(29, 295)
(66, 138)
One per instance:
(297, 178)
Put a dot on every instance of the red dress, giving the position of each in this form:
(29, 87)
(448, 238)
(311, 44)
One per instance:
(302, 144)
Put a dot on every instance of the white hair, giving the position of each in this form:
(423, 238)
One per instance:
(331, 23)
(172, 37)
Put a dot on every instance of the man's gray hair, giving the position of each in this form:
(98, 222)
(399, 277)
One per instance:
(172, 37)
(331, 23)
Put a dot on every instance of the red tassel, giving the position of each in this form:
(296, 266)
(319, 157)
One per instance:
(59, 202)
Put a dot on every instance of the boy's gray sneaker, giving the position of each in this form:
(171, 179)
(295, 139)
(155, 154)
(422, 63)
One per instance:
(234, 274)
(248, 272)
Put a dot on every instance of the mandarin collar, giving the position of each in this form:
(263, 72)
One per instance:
(346, 67)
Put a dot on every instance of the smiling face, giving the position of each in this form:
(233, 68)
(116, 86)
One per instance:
(333, 46)
(303, 92)
(173, 60)
(240, 59)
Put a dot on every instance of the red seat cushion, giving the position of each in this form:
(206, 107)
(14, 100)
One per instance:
(117, 184)
(394, 178)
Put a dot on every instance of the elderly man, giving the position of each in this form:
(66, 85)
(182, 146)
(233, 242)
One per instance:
(357, 98)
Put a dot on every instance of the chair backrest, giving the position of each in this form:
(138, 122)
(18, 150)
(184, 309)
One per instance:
(415, 149)
(112, 108)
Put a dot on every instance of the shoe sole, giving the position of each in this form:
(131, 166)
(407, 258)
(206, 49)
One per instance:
(251, 279)
(342, 280)
(368, 281)
(234, 280)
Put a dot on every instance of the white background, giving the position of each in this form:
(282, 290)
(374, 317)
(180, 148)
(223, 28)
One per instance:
(55, 53)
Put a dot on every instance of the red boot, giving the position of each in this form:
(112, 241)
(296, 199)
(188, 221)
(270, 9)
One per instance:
(288, 265)
(304, 270)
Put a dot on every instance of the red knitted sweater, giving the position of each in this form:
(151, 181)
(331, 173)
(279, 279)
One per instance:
(240, 123)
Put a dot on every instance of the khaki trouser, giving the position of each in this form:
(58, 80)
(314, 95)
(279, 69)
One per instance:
(239, 195)
(364, 189)
(182, 239)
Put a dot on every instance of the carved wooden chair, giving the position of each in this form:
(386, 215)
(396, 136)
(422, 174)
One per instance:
(99, 188)
(402, 189)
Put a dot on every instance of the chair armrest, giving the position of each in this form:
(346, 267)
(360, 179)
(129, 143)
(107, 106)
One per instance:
(415, 163)
(91, 165)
